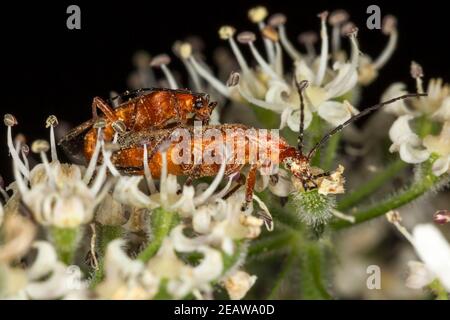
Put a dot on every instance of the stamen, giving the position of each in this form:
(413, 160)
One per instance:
(163, 177)
(161, 61)
(324, 49)
(257, 15)
(148, 175)
(278, 21)
(52, 122)
(99, 179)
(248, 38)
(417, 73)
(183, 51)
(233, 81)
(271, 34)
(336, 19)
(205, 74)
(223, 192)
(227, 33)
(336, 90)
(217, 179)
(107, 150)
(24, 151)
(41, 147)
(99, 125)
(3, 192)
(389, 28)
(11, 121)
(395, 218)
(266, 216)
(309, 39)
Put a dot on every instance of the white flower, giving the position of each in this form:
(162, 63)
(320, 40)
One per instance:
(406, 142)
(57, 193)
(440, 145)
(125, 278)
(238, 284)
(48, 278)
(435, 105)
(434, 250)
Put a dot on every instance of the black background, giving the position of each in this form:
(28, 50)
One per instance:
(48, 69)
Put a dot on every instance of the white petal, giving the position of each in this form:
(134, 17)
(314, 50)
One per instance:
(419, 276)
(434, 250)
(441, 166)
(336, 87)
(303, 72)
(399, 107)
(334, 112)
(127, 192)
(238, 284)
(201, 220)
(211, 266)
(283, 187)
(293, 119)
(46, 259)
(276, 91)
(182, 243)
(410, 154)
(400, 131)
(443, 113)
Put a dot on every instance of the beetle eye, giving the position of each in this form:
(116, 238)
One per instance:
(198, 104)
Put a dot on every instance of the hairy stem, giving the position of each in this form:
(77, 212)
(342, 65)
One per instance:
(66, 242)
(415, 190)
(162, 223)
(312, 282)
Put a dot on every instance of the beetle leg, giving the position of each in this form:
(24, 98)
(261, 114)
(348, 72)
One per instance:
(105, 108)
(240, 183)
(249, 187)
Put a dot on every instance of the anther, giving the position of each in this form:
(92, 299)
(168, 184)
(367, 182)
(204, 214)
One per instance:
(100, 123)
(257, 14)
(119, 126)
(348, 29)
(338, 17)
(40, 146)
(226, 32)
(233, 79)
(9, 120)
(416, 70)
(277, 20)
(442, 216)
(308, 38)
(270, 33)
(160, 60)
(389, 24)
(185, 50)
(246, 37)
(51, 121)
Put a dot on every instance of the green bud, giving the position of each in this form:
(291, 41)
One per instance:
(313, 208)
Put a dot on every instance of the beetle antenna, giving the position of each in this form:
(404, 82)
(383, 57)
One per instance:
(356, 117)
(301, 86)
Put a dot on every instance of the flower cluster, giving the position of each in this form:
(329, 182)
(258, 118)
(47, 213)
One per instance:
(416, 146)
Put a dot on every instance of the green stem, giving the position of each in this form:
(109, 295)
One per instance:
(372, 185)
(415, 190)
(311, 273)
(286, 268)
(162, 223)
(330, 152)
(106, 235)
(66, 242)
(269, 244)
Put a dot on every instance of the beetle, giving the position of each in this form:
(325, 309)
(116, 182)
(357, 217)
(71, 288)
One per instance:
(146, 108)
(130, 155)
